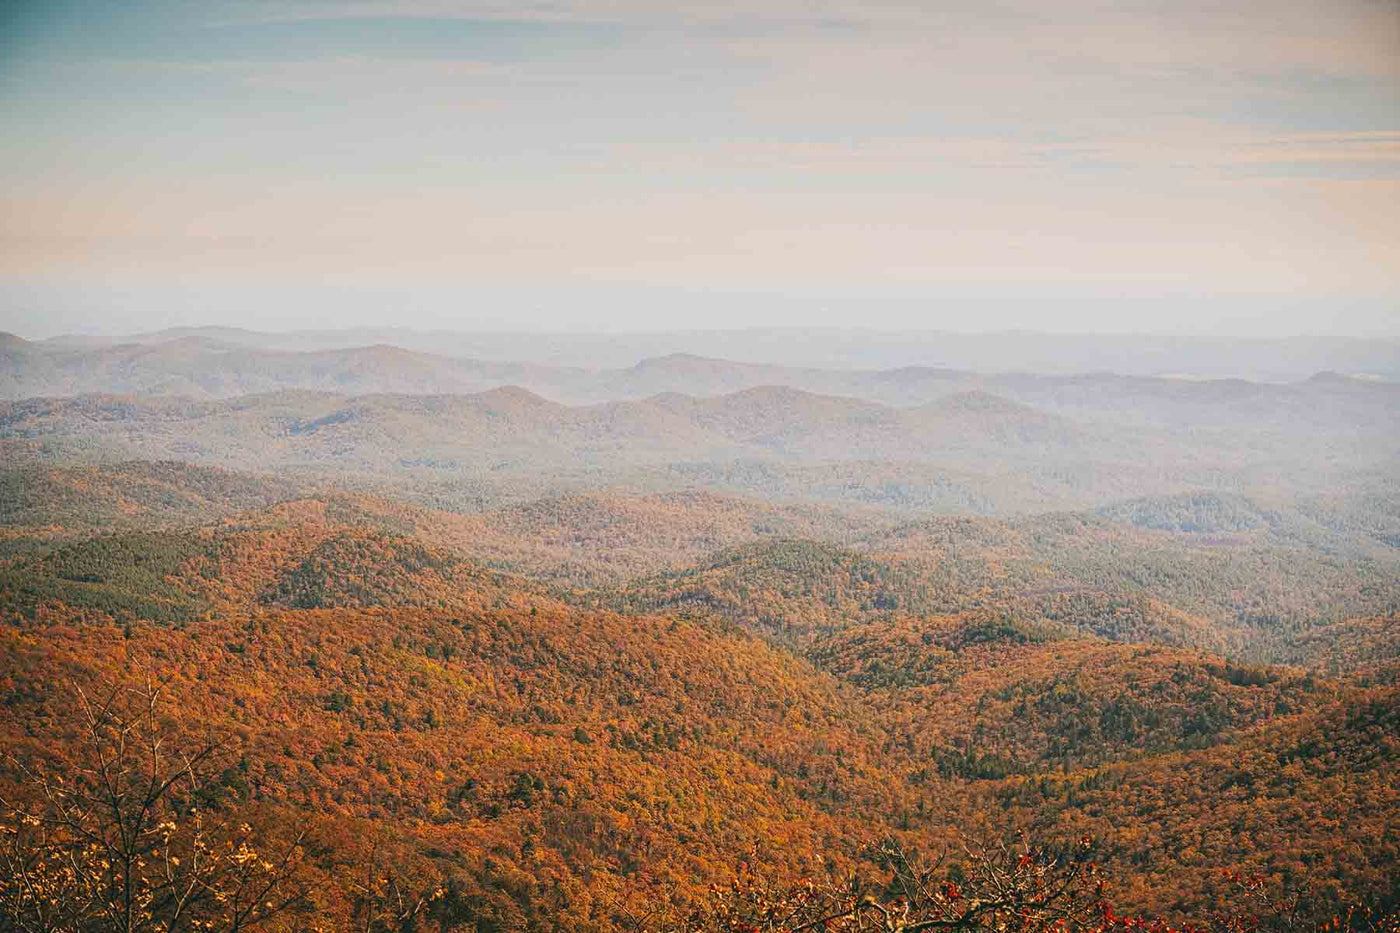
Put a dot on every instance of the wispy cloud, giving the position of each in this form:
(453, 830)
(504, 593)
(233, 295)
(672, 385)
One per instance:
(1206, 152)
(341, 74)
(1345, 36)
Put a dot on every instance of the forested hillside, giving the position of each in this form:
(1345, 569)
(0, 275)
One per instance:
(543, 750)
(691, 660)
(610, 466)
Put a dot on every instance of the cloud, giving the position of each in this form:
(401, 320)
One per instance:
(1195, 152)
(1225, 147)
(1339, 37)
(343, 74)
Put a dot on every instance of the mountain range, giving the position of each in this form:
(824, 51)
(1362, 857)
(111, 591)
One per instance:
(1255, 359)
(545, 644)
(218, 363)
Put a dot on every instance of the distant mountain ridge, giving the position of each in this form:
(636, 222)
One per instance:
(217, 363)
(632, 365)
(1274, 359)
(1091, 440)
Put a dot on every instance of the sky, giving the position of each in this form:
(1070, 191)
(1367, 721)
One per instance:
(1192, 166)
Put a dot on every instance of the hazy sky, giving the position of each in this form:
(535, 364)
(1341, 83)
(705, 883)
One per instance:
(1170, 166)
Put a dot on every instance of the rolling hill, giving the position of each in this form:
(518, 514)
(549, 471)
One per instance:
(532, 644)
(967, 452)
(538, 757)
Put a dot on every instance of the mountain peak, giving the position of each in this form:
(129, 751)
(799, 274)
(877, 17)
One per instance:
(514, 396)
(977, 400)
(674, 361)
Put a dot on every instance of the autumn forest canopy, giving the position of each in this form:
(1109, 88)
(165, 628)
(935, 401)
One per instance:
(304, 634)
